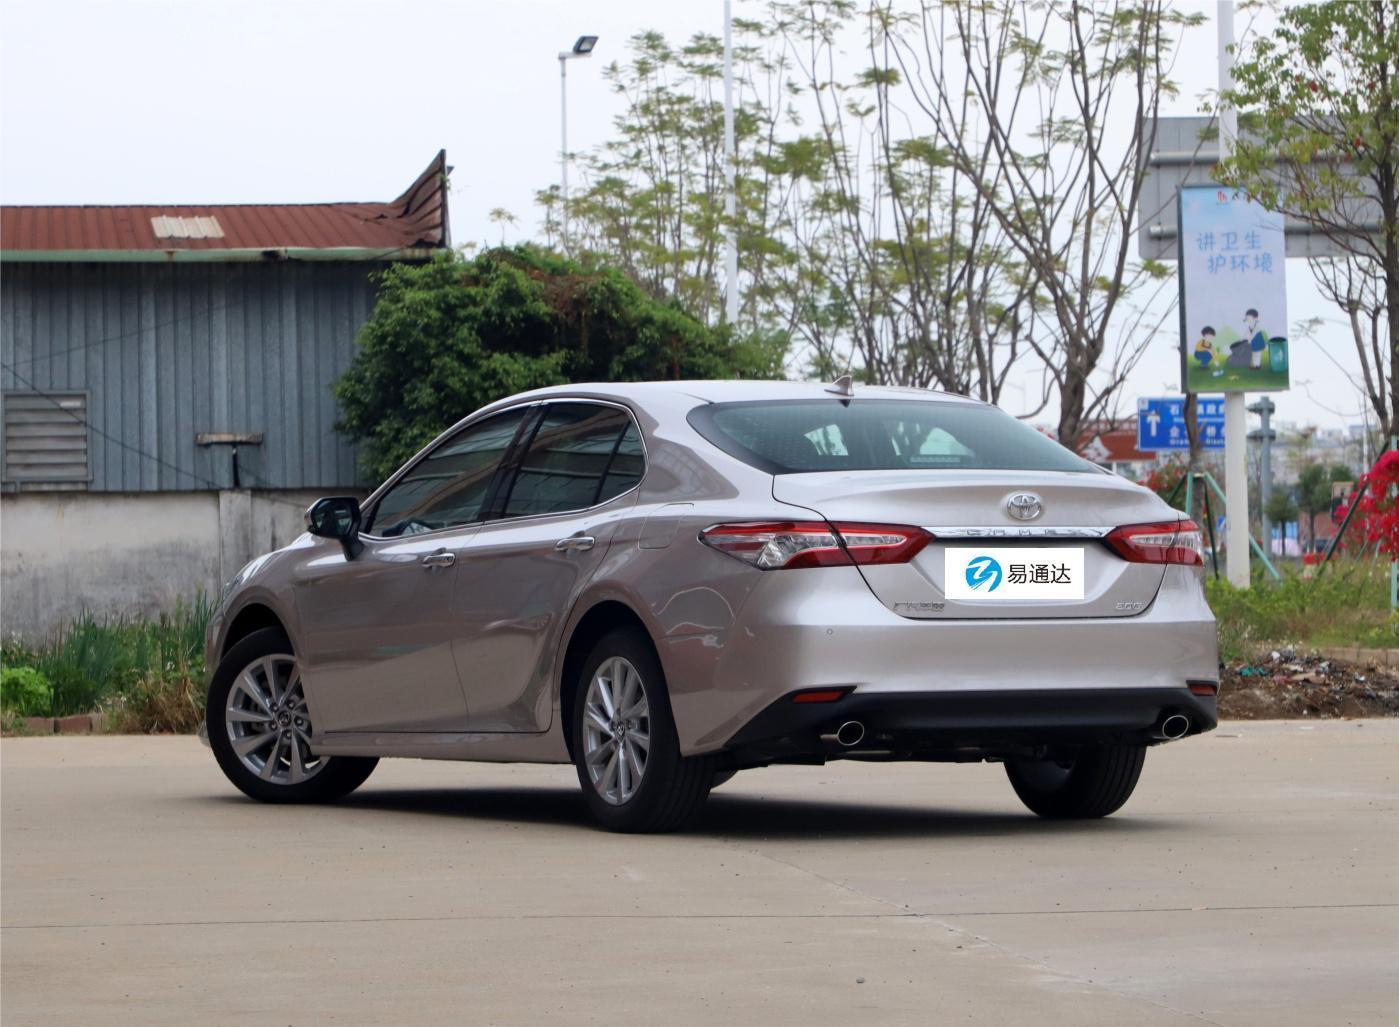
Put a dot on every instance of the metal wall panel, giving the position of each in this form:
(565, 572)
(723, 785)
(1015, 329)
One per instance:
(167, 351)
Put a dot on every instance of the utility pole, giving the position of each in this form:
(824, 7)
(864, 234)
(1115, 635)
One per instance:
(730, 160)
(1265, 437)
(1235, 403)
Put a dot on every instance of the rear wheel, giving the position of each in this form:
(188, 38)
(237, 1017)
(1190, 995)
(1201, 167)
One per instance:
(1094, 784)
(260, 727)
(625, 745)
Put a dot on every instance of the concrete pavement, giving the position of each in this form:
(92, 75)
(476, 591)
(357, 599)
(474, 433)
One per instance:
(1251, 880)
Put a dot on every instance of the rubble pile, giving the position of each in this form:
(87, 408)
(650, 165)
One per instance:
(1286, 683)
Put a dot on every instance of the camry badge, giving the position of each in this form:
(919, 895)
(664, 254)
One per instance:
(1024, 506)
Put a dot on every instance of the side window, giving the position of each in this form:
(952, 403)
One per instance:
(581, 455)
(448, 486)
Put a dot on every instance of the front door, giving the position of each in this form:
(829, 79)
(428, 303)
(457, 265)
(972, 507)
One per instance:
(524, 570)
(377, 632)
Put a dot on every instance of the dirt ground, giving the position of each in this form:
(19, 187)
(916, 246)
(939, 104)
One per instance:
(1282, 684)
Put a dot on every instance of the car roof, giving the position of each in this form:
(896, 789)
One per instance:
(737, 391)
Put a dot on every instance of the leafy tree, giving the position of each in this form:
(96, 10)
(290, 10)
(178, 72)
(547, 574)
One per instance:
(1319, 97)
(1047, 85)
(1282, 508)
(1313, 491)
(449, 336)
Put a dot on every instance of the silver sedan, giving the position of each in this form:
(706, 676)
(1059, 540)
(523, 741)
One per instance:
(667, 583)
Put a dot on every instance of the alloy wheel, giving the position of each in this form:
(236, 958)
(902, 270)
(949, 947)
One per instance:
(616, 730)
(268, 724)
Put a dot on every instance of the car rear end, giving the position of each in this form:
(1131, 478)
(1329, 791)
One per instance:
(946, 583)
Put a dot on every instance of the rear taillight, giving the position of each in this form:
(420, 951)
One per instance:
(774, 545)
(1165, 542)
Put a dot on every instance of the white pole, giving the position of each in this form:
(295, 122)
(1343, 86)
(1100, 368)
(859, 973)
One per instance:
(730, 159)
(563, 148)
(1235, 403)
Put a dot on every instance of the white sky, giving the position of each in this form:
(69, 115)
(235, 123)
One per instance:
(139, 101)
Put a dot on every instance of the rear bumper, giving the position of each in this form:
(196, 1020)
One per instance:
(953, 726)
(823, 628)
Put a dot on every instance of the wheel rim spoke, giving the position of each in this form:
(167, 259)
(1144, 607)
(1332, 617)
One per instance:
(616, 730)
(268, 722)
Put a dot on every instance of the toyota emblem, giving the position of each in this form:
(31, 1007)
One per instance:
(1024, 506)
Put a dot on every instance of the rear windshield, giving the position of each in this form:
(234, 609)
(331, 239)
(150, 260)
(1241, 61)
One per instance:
(795, 436)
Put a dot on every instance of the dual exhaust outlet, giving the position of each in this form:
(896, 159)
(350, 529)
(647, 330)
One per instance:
(852, 732)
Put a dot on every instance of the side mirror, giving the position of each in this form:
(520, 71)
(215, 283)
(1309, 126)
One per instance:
(337, 517)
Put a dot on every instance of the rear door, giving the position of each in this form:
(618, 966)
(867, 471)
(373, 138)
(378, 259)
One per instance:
(555, 519)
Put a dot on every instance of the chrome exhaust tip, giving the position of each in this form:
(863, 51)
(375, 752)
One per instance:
(1173, 727)
(852, 732)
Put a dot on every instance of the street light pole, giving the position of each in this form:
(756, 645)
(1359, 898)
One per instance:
(582, 48)
(563, 148)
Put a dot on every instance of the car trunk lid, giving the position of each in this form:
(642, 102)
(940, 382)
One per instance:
(985, 562)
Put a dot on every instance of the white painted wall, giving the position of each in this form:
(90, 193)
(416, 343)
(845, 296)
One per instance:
(132, 553)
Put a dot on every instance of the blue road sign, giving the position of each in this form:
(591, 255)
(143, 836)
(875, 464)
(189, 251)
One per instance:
(1161, 423)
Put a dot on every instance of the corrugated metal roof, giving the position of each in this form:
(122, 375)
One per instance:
(417, 220)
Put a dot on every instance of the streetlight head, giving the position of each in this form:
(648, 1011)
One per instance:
(585, 45)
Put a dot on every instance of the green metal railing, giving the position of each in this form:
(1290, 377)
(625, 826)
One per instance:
(1206, 486)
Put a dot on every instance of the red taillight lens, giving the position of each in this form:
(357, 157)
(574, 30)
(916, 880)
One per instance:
(774, 545)
(821, 695)
(1165, 542)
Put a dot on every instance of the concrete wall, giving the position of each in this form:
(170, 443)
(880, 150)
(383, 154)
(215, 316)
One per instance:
(130, 553)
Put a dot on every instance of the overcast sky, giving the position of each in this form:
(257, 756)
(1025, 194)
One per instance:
(148, 101)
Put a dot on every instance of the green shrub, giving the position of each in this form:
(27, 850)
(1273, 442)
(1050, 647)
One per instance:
(1346, 605)
(24, 692)
(148, 674)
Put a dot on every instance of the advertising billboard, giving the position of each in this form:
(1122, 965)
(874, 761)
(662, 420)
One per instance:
(1233, 293)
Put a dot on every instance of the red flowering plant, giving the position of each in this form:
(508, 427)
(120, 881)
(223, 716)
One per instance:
(1377, 514)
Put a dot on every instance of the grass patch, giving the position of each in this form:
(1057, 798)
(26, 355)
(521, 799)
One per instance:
(1348, 605)
(147, 675)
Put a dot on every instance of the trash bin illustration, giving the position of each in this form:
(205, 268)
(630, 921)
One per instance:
(1277, 354)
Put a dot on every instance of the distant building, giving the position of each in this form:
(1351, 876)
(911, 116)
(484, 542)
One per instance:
(165, 372)
(1114, 445)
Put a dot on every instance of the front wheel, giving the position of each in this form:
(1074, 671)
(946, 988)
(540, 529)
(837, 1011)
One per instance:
(625, 745)
(1094, 784)
(260, 727)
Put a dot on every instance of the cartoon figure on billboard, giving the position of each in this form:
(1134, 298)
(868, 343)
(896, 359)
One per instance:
(1257, 338)
(1204, 350)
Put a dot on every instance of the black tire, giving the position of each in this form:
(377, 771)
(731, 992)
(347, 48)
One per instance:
(673, 787)
(1095, 784)
(336, 778)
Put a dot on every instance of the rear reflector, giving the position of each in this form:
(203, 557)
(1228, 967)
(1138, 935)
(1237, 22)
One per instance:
(774, 545)
(820, 695)
(1163, 542)
(1203, 687)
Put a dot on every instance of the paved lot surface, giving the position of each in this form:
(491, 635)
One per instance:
(1251, 880)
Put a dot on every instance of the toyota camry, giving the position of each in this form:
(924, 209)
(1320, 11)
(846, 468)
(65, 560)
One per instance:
(667, 583)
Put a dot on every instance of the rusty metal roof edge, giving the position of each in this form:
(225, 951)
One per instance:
(271, 255)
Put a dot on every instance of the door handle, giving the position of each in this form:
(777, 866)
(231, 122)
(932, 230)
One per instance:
(439, 559)
(578, 543)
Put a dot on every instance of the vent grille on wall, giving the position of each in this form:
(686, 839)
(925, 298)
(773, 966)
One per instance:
(46, 440)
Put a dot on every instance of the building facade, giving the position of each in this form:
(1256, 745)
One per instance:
(165, 388)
